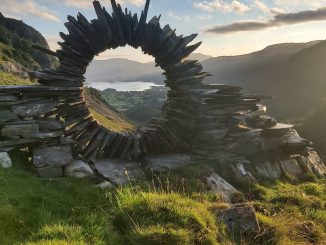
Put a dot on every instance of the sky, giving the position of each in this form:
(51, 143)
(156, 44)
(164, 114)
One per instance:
(226, 27)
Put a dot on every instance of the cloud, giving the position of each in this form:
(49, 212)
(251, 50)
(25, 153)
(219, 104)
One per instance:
(172, 15)
(79, 3)
(138, 3)
(265, 9)
(53, 41)
(89, 3)
(220, 6)
(27, 8)
(280, 19)
(300, 3)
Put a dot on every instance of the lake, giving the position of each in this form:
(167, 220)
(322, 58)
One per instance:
(122, 86)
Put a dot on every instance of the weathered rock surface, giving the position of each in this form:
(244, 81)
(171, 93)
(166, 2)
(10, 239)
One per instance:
(220, 186)
(23, 129)
(50, 124)
(163, 163)
(78, 169)
(52, 156)
(7, 115)
(105, 185)
(118, 172)
(5, 160)
(34, 109)
(49, 172)
(240, 218)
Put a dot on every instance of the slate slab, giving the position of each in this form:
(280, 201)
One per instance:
(20, 129)
(57, 156)
(34, 109)
(78, 169)
(164, 163)
(118, 172)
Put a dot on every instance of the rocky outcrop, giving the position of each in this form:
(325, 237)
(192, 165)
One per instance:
(240, 218)
(219, 186)
(17, 33)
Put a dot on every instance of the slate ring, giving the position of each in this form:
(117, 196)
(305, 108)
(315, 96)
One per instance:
(169, 133)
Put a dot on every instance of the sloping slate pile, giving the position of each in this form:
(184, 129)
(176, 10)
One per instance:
(235, 131)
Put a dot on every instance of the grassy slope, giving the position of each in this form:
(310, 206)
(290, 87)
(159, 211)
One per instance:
(10, 79)
(67, 211)
(104, 114)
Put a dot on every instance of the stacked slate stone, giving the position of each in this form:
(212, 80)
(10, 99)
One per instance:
(59, 96)
(235, 131)
(28, 118)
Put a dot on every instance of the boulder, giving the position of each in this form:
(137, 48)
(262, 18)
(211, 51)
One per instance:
(164, 163)
(78, 169)
(291, 167)
(220, 186)
(49, 172)
(267, 170)
(313, 164)
(240, 218)
(58, 156)
(5, 161)
(34, 109)
(118, 172)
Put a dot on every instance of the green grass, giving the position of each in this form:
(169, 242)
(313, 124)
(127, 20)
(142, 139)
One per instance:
(112, 124)
(68, 211)
(10, 79)
(291, 214)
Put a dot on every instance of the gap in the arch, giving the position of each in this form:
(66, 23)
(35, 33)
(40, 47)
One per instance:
(129, 82)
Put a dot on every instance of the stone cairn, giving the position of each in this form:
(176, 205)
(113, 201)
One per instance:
(235, 132)
(214, 122)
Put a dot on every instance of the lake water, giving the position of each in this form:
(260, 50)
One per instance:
(122, 86)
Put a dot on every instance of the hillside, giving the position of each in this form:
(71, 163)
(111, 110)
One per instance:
(104, 113)
(279, 71)
(15, 41)
(124, 70)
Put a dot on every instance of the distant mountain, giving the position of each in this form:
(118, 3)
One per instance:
(15, 39)
(291, 72)
(122, 70)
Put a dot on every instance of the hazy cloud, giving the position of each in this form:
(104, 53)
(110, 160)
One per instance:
(89, 3)
(220, 6)
(278, 20)
(267, 10)
(19, 9)
(79, 3)
(300, 3)
(172, 15)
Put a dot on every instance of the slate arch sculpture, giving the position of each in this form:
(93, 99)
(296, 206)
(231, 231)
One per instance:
(171, 131)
